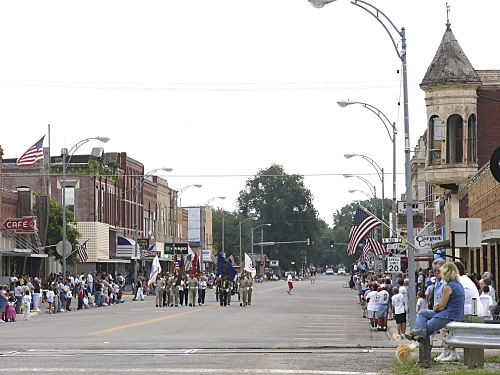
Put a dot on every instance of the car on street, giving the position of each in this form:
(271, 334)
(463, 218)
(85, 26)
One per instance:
(329, 271)
(341, 271)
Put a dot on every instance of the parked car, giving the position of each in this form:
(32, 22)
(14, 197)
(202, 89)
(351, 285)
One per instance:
(341, 271)
(329, 271)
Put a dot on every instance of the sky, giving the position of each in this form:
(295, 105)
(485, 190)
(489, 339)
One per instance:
(219, 90)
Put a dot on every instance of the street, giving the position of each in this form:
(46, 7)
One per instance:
(316, 330)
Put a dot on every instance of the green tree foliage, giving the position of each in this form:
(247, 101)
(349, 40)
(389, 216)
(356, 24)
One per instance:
(282, 200)
(54, 232)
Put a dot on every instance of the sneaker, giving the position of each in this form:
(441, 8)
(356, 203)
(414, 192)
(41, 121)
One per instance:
(441, 356)
(453, 356)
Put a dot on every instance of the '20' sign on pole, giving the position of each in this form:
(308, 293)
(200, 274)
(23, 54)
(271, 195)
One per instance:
(393, 264)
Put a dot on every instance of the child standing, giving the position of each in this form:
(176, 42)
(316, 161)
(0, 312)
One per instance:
(399, 303)
(421, 304)
(487, 303)
(10, 310)
(50, 299)
(27, 304)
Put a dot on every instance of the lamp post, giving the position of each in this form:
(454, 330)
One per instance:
(202, 229)
(137, 189)
(241, 222)
(380, 173)
(65, 161)
(392, 137)
(395, 34)
(373, 190)
(174, 219)
(370, 197)
(261, 232)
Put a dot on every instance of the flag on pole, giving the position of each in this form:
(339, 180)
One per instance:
(196, 265)
(371, 247)
(224, 268)
(155, 270)
(362, 224)
(215, 257)
(249, 267)
(231, 259)
(188, 262)
(82, 251)
(32, 155)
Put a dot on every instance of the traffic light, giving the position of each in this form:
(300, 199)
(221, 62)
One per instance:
(332, 244)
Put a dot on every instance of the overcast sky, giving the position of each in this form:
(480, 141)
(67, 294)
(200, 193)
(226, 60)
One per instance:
(218, 90)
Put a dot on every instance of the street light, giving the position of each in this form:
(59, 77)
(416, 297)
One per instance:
(370, 197)
(373, 190)
(202, 229)
(380, 173)
(174, 219)
(395, 34)
(241, 222)
(137, 189)
(388, 125)
(65, 153)
(261, 235)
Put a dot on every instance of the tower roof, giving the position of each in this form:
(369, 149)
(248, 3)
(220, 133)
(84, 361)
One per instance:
(450, 64)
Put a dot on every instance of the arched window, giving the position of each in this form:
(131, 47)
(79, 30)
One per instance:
(454, 139)
(472, 139)
(435, 140)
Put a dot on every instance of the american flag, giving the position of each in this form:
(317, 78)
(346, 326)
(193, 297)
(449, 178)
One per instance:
(362, 225)
(82, 251)
(231, 259)
(32, 155)
(146, 253)
(215, 257)
(372, 246)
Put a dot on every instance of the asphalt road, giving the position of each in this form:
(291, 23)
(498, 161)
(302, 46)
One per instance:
(316, 330)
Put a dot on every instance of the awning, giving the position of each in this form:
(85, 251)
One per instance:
(492, 235)
(438, 245)
(125, 247)
(27, 253)
(125, 261)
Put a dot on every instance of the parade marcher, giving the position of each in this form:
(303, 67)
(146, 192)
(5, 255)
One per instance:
(193, 288)
(174, 289)
(289, 280)
(223, 288)
(250, 289)
(140, 291)
(159, 289)
(202, 289)
(243, 290)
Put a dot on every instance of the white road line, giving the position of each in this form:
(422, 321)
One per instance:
(68, 370)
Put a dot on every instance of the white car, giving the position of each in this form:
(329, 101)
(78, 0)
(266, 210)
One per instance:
(329, 271)
(341, 271)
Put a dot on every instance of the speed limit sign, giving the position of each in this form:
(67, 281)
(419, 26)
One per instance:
(393, 264)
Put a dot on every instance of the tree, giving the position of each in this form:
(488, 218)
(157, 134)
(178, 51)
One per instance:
(54, 232)
(282, 200)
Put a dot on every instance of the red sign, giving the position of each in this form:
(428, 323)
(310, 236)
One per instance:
(25, 224)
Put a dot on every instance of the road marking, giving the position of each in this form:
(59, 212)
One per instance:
(150, 321)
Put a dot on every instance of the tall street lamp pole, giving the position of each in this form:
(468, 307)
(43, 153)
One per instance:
(380, 173)
(261, 232)
(202, 229)
(136, 239)
(373, 190)
(392, 136)
(370, 197)
(394, 34)
(241, 222)
(174, 220)
(65, 161)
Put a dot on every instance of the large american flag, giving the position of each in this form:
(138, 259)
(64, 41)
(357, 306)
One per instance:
(32, 155)
(82, 251)
(362, 225)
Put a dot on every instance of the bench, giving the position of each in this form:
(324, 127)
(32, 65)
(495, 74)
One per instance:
(473, 338)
